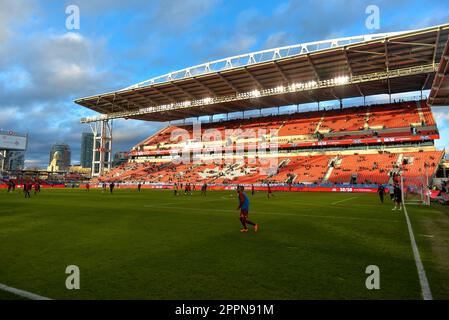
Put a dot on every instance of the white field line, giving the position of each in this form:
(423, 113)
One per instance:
(425, 288)
(22, 293)
(334, 203)
(257, 212)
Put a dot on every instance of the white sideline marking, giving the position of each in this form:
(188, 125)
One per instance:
(425, 288)
(334, 203)
(22, 293)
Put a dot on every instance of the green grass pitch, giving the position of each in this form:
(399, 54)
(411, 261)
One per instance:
(152, 245)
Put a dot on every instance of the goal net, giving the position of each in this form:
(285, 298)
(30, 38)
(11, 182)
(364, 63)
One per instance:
(415, 190)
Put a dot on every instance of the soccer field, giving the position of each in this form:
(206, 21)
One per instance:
(152, 245)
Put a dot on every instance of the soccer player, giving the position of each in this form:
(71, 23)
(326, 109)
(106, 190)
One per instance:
(187, 190)
(111, 187)
(26, 189)
(139, 186)
(36, 187)
(244, 209)
(88, 187)
(269, 193)
(175, 189)
(391, 191)
(381, 192)
(397, 197)
(252, 190)
(203, 189)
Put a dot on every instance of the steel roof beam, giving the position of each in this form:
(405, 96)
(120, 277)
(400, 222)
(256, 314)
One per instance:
(228, 83)
(351, 73)
(317, 76)
(166, 96)
(183, 91)
(202, 85)
(436, 45)
(387, 66)
(425, 82)
(254, 78)
(146, 97)
(413, 43)
(278, 68)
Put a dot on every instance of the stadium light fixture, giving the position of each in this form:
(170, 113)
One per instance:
(255, 93)
(280, 89)
(311, 84)
(341, 80)
(207, 100)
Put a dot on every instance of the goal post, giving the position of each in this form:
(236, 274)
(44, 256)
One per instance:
(415, 190)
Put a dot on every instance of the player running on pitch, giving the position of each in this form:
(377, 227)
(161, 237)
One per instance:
(244, 209)
(397, 197)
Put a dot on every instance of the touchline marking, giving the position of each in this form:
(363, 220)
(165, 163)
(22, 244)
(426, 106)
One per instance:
(22, 293)
(343, 200)
(425, 288)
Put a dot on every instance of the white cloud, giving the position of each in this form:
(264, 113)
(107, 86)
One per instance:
(278, 39)
(441, 115)
(13, 12)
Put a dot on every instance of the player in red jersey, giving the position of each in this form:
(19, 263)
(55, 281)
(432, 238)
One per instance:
(36, 188)
(27, 189)
(269, 192)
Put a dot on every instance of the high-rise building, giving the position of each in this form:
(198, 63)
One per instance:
(87, 144)
(12, 150)
(12, 160)
(60, 157)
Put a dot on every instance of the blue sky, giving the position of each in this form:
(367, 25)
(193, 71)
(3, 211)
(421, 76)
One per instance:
(44, 66)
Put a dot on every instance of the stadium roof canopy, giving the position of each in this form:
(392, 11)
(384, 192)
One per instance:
(311, 72)
(439, 94)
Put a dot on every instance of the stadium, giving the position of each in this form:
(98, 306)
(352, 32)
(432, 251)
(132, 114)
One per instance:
(163, 225)
(349, 147)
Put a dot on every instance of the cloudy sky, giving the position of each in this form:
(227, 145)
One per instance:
(44, 66)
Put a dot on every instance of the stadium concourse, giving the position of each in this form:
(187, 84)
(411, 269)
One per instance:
(353, 146)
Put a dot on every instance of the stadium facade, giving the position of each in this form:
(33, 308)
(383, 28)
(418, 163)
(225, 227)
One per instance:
(334, 146)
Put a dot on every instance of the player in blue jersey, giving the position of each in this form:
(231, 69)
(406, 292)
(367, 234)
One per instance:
(244, 209)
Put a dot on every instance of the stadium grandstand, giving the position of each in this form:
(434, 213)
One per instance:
(316, 149)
